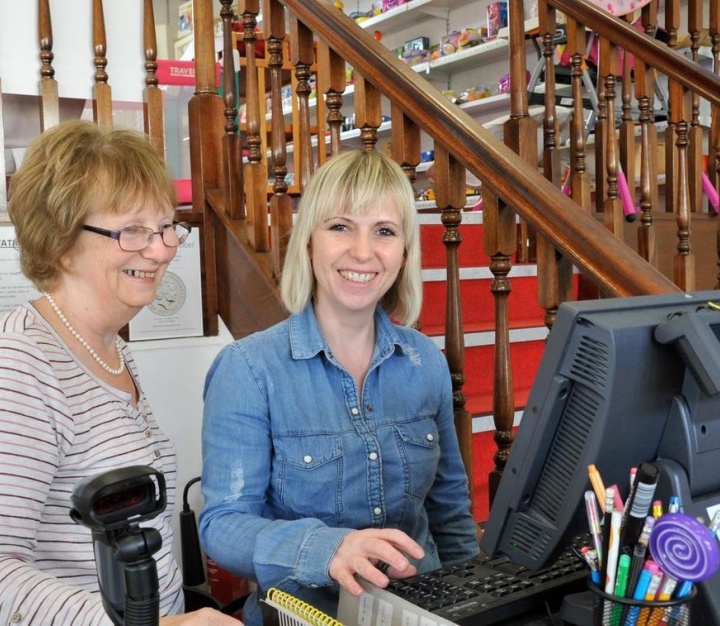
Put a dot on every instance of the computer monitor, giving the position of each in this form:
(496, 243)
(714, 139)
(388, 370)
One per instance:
(622, 381)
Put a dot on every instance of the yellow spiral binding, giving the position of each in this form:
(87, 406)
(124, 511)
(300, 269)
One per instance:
(301, 613)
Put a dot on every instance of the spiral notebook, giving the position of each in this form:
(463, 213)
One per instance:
(294, 612)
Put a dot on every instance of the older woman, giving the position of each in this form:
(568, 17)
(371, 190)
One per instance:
(329, 448)
(93, 212)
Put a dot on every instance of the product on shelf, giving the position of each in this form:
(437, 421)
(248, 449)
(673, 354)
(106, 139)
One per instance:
(497, 18)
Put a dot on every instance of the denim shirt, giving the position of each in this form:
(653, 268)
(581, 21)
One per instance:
(295, 456)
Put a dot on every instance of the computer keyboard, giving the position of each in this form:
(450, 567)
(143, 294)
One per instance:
(479, 591)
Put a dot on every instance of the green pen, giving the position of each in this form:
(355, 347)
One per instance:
(623, 571)
(621, 581)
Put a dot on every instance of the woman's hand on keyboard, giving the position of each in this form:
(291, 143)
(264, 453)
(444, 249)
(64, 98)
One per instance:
(376, 554)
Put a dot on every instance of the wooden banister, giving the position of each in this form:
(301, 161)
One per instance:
(598, 253)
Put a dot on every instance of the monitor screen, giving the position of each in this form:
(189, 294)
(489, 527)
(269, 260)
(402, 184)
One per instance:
(622, 381)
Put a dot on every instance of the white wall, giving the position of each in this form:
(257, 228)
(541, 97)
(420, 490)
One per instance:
(72, 48)
(172, 373)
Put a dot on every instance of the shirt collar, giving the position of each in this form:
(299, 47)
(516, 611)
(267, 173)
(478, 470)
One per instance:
(306, 340)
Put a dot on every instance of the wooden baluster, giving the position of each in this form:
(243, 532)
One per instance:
(601, 134)
(368, 112)
(499, 240)
(553, 271)
(672, 23)
(154, 121)
(332, 83)
(520, 132)
(551, 127)
(49, 101)
(644, 93)
(684, 261)
(255, 172)
(232, 148)
(695, 133)
(406, 142)
(714, 136)
(450, 197)
(280, 201)
(302, 57)
(626, 134)
(612, 206)
(579, 176)
(101, 91)
(204, 109)
(646, 234)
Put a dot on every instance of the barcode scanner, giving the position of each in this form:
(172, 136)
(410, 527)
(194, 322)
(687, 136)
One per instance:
(112, 505)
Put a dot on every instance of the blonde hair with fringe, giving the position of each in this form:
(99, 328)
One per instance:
(354, 183)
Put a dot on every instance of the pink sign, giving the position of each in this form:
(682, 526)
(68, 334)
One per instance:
(171, 72)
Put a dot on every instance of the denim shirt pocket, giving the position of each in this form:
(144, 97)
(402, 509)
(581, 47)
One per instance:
(309, 476)
(419, 447)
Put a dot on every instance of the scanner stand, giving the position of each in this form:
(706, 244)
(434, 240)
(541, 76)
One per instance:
(127, 574)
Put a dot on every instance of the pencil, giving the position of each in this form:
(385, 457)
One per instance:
(597, 484)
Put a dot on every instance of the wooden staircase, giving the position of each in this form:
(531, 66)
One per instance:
(495, 278)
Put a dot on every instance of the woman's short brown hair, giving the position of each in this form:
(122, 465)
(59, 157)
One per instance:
(73, 169)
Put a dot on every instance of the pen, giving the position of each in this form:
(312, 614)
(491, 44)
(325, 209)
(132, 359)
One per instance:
(654, 584)
(684, 589)
(597, 484)
(651, 592)
(590, 557)
(657, 508)
(609, 496)
(594, 522)
(666, 589)
(638, 594)
(660, 615)
(613, 551)
(638, 505)
(620, 588)
(715, 524)
(674, 504)
(617, 499)
(622, 575)
(638, 557)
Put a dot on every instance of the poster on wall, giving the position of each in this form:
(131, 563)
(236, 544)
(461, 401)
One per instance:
(185, 18)
(177, 309)
(14, 287)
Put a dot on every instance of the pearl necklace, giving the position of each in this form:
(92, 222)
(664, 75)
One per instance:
(85, 344)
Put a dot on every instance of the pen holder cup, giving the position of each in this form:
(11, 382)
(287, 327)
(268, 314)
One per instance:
(609, 610)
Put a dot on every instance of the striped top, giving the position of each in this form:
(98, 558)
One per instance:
(59, 424)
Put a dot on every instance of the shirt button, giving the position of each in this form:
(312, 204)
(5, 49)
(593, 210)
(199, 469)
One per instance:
(377, 511)
(430, 437)
(373, 456)
(148, 434)
(158, 454)
(354, 410)
(307, 458)
(16, 618)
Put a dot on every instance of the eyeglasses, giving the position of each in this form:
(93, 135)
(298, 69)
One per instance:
(136, 238)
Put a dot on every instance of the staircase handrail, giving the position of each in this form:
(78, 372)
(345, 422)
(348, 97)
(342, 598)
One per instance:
(596, 251)
(656, 54)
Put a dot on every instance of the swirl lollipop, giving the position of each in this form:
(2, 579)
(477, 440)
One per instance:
(684, 548)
